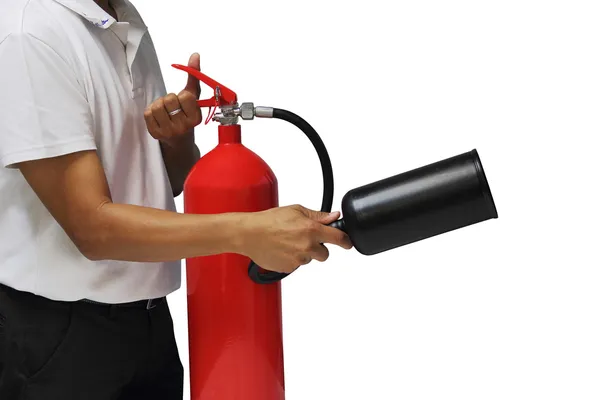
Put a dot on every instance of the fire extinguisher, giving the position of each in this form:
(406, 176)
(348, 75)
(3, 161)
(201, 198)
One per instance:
(234, 307)
(235, 324)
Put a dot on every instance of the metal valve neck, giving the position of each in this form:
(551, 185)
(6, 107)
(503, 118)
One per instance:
(230, 114)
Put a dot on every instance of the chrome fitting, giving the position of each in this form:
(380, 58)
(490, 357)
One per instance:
(263, 112)
(247, 111)
(228, 115)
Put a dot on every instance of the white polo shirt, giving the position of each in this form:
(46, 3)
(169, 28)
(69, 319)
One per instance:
(72, 78)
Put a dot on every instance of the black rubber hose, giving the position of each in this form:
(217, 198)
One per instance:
(271, 276)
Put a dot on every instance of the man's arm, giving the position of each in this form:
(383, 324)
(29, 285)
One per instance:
(74, 189)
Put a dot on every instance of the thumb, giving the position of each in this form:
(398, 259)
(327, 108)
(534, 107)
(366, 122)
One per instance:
(193, 85)
(323, 217)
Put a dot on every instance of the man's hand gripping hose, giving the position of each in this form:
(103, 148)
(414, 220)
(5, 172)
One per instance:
(226, 99)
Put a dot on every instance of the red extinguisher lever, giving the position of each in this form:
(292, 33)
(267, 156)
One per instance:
(223, 96)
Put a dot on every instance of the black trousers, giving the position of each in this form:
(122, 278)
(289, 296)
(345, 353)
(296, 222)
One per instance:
(53, 350)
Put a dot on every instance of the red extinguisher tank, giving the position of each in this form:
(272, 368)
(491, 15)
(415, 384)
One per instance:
(235, 325)
(234, 307)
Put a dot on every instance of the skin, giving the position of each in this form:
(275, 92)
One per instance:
(279, 239)
(176, 133)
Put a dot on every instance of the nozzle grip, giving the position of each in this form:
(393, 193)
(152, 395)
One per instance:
(339, 224)
(273, 276)
(264, 277)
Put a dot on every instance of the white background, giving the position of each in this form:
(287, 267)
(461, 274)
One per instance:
(506, 309)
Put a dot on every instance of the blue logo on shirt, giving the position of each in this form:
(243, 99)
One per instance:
(103, 22)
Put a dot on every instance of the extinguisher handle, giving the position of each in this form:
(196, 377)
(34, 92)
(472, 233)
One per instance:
(273, 276)
(264, 277)
(222, 94)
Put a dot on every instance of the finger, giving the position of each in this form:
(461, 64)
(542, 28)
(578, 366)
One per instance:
(291, 268)
(304, 259)
(327, 218)
(190, 108)
(335, 236)
(171, 102)
(159, 112)
(319, 216)
(179, 124)
(193, 85)
(320, 253)
(151, 123)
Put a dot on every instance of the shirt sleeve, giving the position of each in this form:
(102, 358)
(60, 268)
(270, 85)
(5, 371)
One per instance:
(43, 107)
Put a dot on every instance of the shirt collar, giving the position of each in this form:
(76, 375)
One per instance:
(131, 33)
(91, 11)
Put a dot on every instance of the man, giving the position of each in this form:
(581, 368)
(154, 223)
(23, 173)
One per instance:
(93, 152)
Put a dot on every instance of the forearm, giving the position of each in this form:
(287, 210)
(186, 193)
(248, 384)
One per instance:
(75, 191)
(179, 158)
(141, 234)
